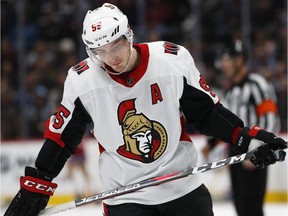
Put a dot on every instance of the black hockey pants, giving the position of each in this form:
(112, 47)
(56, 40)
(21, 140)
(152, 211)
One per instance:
(195, 203)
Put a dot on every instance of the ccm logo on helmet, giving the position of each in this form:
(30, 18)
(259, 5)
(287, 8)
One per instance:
(100, 38)
(38, 185)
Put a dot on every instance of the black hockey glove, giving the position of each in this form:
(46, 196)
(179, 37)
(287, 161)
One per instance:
(36, 189)
(264, 155)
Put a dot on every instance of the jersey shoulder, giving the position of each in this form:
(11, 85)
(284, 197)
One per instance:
(172, 57)
(84, 68)
(166, 49)
(86, 75)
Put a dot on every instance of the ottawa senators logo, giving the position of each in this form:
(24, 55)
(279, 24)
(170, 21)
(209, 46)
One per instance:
(145, 140)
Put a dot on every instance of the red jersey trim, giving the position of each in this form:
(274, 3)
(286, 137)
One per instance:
(235, 135)
(131, 78)
(53, 136)
(105, 209)
(184, 135)
(101, 148)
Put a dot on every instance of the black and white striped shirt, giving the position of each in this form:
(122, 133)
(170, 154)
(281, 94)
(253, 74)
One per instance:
(254, 101)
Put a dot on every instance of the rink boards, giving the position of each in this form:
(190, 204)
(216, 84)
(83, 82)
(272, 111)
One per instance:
(17, 154)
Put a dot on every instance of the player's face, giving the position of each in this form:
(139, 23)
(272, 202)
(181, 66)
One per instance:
(115, 54)
(227, 66)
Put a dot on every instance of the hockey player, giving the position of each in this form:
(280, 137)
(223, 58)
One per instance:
(138, 97)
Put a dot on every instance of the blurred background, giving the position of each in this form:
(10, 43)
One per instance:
(41, 40)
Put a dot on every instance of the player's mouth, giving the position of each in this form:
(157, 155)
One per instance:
(114, 65)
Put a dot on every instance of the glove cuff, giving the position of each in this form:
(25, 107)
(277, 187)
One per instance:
(242, 141)
(254, 131)
(37, 185)
(235, 135)
(37, 181)
(31, 171)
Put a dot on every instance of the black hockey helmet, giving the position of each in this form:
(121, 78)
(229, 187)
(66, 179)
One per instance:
(234, 49)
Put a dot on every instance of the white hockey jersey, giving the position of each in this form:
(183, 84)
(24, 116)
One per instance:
(137, 119)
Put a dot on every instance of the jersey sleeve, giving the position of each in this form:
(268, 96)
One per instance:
(64, 131)
(195, 79)
(202, 107)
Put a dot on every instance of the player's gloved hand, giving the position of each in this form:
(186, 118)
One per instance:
(264, 155)
(36, 189)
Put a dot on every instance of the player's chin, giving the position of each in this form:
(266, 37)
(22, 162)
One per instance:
(118, 68)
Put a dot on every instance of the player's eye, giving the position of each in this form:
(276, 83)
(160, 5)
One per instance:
(116, 47)
(100, 52)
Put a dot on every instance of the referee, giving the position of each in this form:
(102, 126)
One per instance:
(253, 99)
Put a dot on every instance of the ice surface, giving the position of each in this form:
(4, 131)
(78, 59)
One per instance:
(220, 209)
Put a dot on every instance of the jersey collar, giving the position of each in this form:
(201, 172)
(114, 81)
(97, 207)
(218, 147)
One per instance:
(129, 79)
